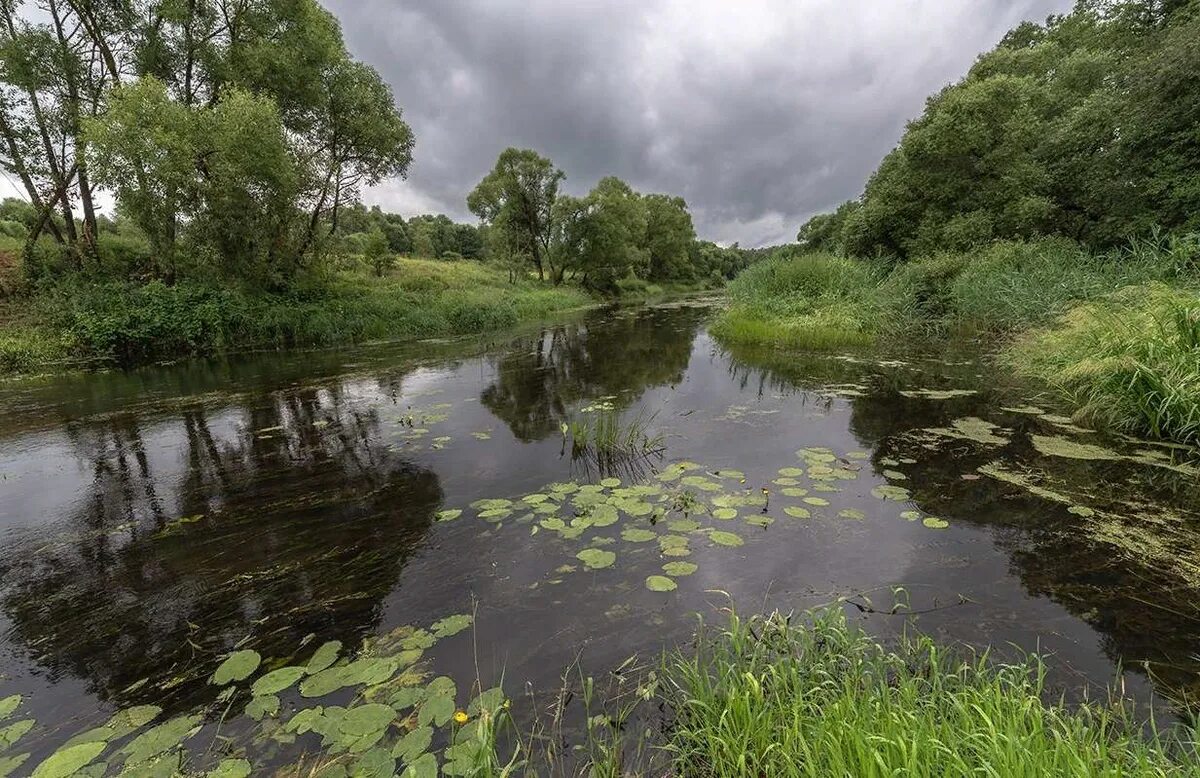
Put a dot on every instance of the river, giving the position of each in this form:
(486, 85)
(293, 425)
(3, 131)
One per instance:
(153, 521)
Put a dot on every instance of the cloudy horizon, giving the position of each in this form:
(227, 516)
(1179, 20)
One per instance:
(759, 114)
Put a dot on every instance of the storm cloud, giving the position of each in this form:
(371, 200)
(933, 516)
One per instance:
(760, 113)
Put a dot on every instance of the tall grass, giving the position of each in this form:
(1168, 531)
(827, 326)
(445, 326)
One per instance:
(815, 301)
(767, 698)
(1130, 361)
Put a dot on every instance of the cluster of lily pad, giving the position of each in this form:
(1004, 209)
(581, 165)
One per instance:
(389, 714)
(683, 504)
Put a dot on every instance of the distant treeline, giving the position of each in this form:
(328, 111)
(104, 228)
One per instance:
(1084, 127)
(611, 236)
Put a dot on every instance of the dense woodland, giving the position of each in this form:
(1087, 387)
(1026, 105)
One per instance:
(1086, 127)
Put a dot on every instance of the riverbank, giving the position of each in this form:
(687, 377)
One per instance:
(1117, 334)
(94, 324)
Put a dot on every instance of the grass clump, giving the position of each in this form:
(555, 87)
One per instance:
(815, 301)
(1130, 361)
(766, 698)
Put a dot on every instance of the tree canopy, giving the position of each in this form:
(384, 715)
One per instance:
(1083, 127)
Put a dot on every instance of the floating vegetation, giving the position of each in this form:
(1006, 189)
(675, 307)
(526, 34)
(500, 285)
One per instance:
(935, 523)
(972, 428)
(661, 583)
(679, 569)
(889, 492)
(796, 512)
(1063, 447)
(1028, 410)
(725, 538)
(596, 559)
(853, 514)
(448, 515)
(938, 394)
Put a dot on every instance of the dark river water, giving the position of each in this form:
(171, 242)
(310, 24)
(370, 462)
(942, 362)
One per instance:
(151, 522)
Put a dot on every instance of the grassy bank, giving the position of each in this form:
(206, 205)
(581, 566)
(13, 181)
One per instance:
(1114, 332)
(84, 322)
(772, 697)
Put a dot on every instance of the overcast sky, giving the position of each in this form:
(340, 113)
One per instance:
(759, 112)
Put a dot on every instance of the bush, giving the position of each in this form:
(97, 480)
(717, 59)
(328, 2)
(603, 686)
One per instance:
(13, 229)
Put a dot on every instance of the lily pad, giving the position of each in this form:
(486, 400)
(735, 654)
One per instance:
(449, 515)
(231, 768)
(596, 558)
(935, 523)
(677, 569)
(820, 502)
(725, 514)
(14, 732)
(8, 705)
(760, 520)
(853, 514)
(451, 625)
(424, 766)
(412, 745)
(889, 492)
(261, 707)
(797, 512)
(160, 739)
(911, 515)
(610, 483)
(660, 583)
(725, 538)
(794, 491)
(67, 761)
(894, 475)
(683, 525)
(276, 681)
(324, 657)
(791, 472)
(603, 515)
(638, 535)
(238, 666)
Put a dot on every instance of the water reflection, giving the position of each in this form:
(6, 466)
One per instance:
(288, 515)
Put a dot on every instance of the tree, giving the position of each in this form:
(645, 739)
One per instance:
(669, 235)
(377, 253)
(518, 197)
(599, 237)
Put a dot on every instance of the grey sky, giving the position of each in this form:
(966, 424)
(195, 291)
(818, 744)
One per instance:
(759, 112)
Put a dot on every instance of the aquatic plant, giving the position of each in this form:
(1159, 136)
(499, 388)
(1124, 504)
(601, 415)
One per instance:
(610, 442)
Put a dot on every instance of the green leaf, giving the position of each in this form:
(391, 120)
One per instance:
(725, 514)
(10, 763)
(660, 583)
(376, 763)
(596, 559)
(162, 738)
(934, 523)
(425, 766)
(797, 512)
(636, 535)
(261, 707)
(725, 539)
(677, 569)
(451, 625)
(237, 667)
(325, 656)
(8, 705)
(436, 710)
(276, 681)
(489, 700)
(449, 515)
(412, 745)
(14, 732)
(66, 761)
(231, 768)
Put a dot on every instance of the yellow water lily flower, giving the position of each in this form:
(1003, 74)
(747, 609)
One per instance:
(460, 717)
